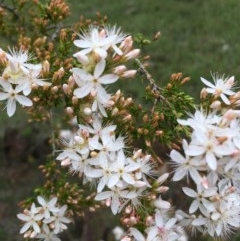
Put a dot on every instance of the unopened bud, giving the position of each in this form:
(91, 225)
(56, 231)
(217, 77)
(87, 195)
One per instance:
(127, 44)
(129, 73)
(128, 210)
(79, 140)
(74, 100)
(71, 81)
(203, 93)
(216, 105)
(162, 189)
(66, 162)
(87, 111)
(69, 110)
(137, 154)
(132, 54)
(54, 89)
(46, 67)
(132, 220)
(159, 133)
(157, 35)
(120, 69)
(115, 111)
(127, 118)
(66, 89)
(83, 59)
(93, 154)
(92, 209)
(36, 99)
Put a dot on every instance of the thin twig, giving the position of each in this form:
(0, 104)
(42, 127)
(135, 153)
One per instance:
(149, 77)
(52, 133)
(11, 10)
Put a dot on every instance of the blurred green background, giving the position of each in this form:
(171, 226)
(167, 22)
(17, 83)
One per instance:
(197, 37)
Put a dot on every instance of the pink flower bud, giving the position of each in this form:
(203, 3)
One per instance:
(129, 73)
(119, 69)
(87, 111)
(66, 162)
(216, 105)
(83, 59)
(132, 54)
(66, 89)
(137, 154)
(69, 110)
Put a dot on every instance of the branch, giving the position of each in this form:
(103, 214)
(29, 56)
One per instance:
(11, 10)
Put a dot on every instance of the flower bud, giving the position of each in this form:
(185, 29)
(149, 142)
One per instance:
(66, 89)
(132, 54)
(83, 59)
(87, 111)
(129, 73)
(74, 100)
(216, 105)
(119, 69)
(69, 110)
(203, 93)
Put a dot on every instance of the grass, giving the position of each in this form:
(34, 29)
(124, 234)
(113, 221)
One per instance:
(197, 37)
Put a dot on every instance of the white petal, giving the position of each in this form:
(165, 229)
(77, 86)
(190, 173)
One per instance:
(83, 91)
(136, 234)
(206, 82)
(82, 43)
(99, 68)
(211, 160)
(25, 227)
(4, 96)
(11, 107)
(189, 192)
(179, 174)
(225, 99)
(108, 79)
(103, 195)
(23, 217)
(194, 206)
(23, 100)
(41, 201)
(193, 150)
(177, 157)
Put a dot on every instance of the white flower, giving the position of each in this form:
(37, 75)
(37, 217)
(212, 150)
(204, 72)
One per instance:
(47, 207)
(118, 37)
(31, 218)
(107, 144)
(185, 166)
(99, 41)
(12, 96)
(58, 220)
(93, 83)
(98, 129)
(201, 198)
(32, 78)
(47, 235)
(17, 66)
(212, 143)
(222, 87)
(163, 230)
(114, 197)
